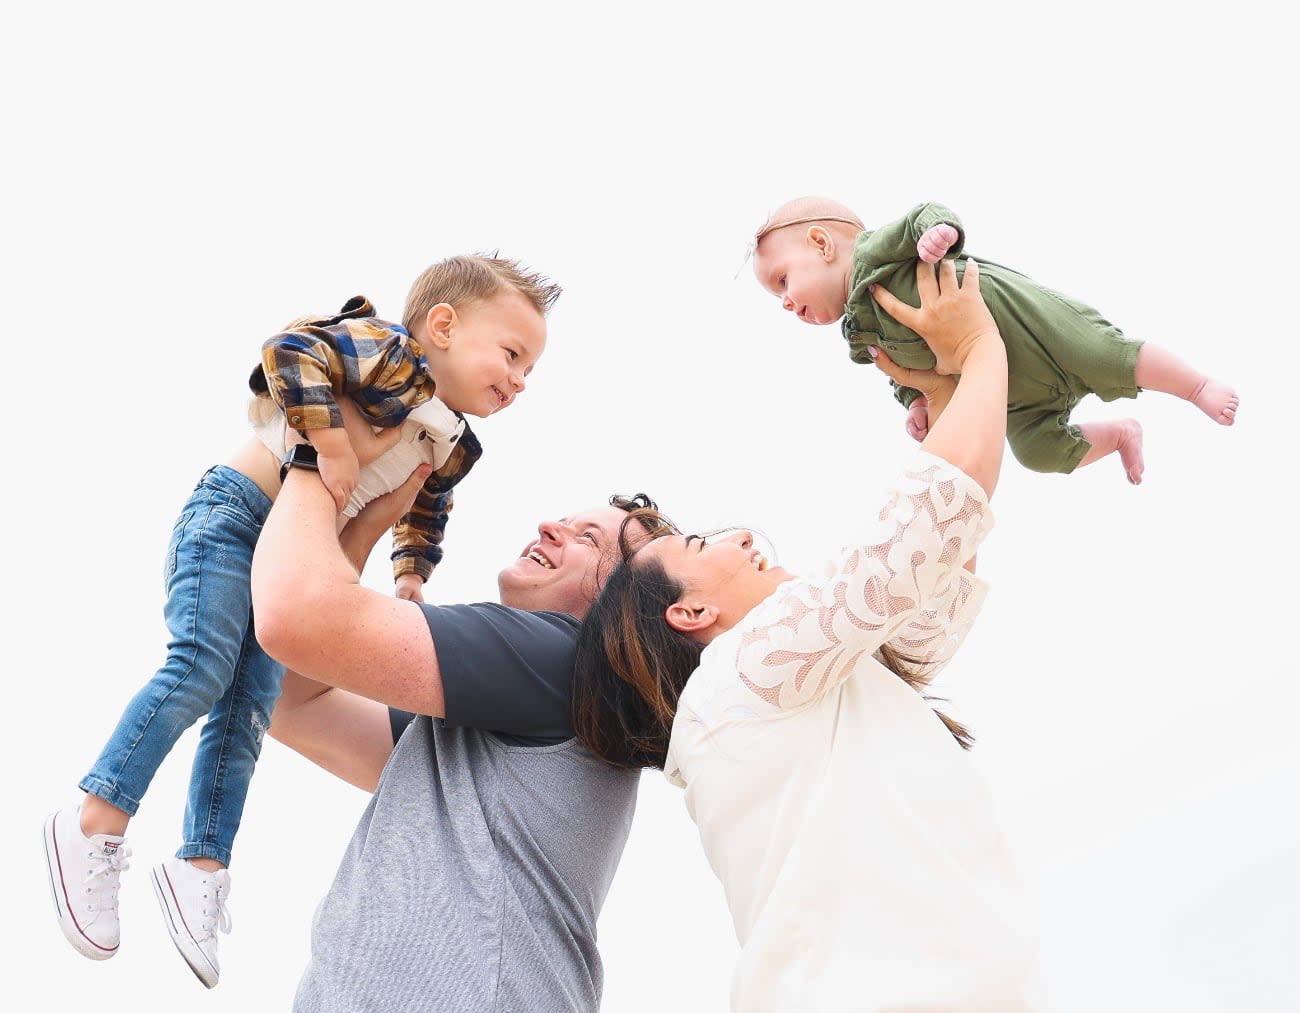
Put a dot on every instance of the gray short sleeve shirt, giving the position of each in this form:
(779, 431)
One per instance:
(475, 877)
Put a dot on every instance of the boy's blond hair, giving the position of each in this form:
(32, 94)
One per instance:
(464, 280)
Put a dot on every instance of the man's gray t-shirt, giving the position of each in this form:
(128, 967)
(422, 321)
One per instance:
(475, 877)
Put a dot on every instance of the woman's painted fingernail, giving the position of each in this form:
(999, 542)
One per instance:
(873, 352)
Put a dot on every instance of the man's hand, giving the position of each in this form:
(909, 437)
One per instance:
(935, 242)
(952, 319)
(360, 534)
(365, 442)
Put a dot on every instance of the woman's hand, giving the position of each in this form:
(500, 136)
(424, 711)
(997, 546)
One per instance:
(952, 318)
(936, 390)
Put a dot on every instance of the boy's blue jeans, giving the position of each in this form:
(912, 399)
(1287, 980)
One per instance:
(214, 666)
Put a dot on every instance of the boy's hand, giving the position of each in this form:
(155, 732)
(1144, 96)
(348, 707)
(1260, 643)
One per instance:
(409, 587)
(339, 472)
(935, 242)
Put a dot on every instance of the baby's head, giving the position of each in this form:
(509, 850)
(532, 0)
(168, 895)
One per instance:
(803, 255)
(481, 321)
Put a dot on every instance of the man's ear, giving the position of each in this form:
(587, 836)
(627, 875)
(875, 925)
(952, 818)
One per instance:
(691, 618)
(823, 241)
(439, 322)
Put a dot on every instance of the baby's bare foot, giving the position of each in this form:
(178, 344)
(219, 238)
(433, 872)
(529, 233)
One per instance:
(1217, 400)
(1130, 449)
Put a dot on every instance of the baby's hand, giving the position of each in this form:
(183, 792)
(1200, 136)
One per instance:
(339, 472)
(410, 587)
(935, 242)
(918, 418)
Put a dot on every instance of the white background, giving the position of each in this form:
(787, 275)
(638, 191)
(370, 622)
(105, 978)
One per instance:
(181, 181)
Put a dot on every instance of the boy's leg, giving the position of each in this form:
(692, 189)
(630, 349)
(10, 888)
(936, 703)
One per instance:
(1159, 369)
(229, 745)
(201, 659)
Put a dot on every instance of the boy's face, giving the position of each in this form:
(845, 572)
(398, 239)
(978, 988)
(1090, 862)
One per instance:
(480, 355)
(805, 268)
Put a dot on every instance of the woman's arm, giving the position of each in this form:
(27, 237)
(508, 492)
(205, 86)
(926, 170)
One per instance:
(971, 431)
(904, 580)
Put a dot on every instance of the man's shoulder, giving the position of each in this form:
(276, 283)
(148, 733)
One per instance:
(496, 613)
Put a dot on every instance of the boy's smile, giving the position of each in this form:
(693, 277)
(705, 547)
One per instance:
(481, 354)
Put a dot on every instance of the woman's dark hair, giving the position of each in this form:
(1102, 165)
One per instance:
(632, 666)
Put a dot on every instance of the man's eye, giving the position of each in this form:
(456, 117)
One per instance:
(589, 535)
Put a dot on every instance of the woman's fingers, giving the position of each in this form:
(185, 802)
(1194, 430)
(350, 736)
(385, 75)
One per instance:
(896, 308)
(892, 369)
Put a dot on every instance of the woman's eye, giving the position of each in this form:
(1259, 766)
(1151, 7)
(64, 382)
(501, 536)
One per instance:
(512, 353)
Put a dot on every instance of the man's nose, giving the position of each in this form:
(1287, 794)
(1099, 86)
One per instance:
(553, 531)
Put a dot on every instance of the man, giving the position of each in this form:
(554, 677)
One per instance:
(476, 874)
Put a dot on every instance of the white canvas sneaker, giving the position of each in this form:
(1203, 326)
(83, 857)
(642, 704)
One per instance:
(194, 907)
(84, 876)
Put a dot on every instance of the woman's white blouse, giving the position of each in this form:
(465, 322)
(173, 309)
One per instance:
(856, 843)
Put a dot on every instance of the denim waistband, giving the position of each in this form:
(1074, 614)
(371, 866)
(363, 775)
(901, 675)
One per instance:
(225, 483)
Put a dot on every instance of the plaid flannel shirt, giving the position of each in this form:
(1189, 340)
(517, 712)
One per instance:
(315, 360)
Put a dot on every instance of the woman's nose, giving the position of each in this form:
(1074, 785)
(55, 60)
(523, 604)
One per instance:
(744, 539)
(517, 382)
(787, 303)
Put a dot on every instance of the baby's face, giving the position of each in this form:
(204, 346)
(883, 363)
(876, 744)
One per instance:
(810, 282)
(492, 348)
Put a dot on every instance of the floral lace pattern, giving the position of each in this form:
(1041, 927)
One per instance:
(905, 585)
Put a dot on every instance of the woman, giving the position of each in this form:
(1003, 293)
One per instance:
(856, 844)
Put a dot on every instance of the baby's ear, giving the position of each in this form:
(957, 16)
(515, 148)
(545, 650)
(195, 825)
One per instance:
(823, 241)
(439, 323)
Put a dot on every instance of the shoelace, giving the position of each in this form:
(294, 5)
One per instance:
(103, 867)
(215, 914)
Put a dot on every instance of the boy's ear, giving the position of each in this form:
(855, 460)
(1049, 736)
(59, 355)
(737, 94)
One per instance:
(691, 618)
(823, 241)
(439, 322)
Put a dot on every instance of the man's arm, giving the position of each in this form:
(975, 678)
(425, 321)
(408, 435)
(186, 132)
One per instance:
(346, 734)
(315, 617)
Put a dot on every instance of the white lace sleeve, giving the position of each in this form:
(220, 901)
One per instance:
(932, 636)
(905, 585)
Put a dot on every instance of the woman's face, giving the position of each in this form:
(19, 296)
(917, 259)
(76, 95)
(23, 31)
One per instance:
(723, 577)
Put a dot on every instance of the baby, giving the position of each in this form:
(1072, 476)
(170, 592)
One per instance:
(818, 258)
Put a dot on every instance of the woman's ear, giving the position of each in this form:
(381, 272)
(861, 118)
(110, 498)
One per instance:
(439, 322)
(691, 619)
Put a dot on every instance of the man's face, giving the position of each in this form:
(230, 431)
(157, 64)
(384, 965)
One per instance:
(564, 567)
